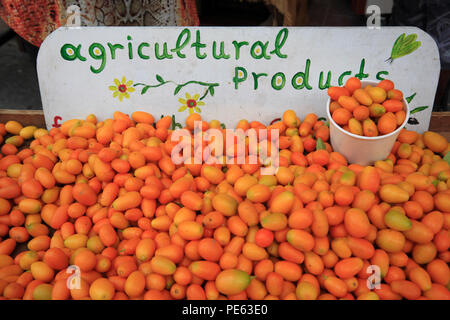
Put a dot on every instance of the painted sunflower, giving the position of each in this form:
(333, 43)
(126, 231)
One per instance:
(191, 103)
(122, 89)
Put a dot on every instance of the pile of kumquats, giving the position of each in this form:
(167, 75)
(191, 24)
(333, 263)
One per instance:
(98, 210)
(369, 111)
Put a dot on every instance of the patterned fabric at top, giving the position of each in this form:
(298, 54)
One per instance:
(34, 20)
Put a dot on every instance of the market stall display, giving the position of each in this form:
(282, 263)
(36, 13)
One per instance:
(318, 216)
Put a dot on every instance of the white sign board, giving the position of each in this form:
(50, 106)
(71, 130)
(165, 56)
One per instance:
(227, 73)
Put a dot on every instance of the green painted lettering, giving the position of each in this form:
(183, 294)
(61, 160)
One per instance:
(180, 45)
(278, 81)
(341, 77)
(259, 50)
(303, 77)
(222, 54)
(70, 52)
(361, 75)
(255, 78)
(237, 46)
(165, 54)
(379, 75)
(113, 48)
(97, 52)
(327, 83)
(140, 54)
(198, 45)
(130, 48)
(279, 43)
(240, 75)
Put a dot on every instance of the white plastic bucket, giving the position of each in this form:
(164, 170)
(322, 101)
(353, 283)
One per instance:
(360, 149)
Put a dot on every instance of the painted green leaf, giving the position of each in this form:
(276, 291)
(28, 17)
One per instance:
(177, 89)
(159, 78)
(320, 145)
(222, 125)
(435, 182)
(406, 50)
(404, 46)
(409, 39)
(322, 119)
(418, 109)
(411, 97)
(447, 157)
(211, 91)
(145, 89)
(397, 43)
